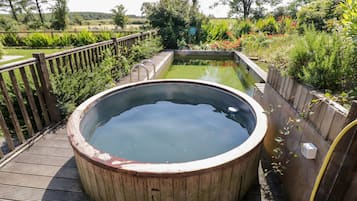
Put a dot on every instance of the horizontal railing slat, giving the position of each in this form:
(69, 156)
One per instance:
(77, 49)
(15, 65)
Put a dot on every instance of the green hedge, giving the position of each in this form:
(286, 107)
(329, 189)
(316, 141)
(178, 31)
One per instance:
(268, 25)
(325, 61)
(45, 40)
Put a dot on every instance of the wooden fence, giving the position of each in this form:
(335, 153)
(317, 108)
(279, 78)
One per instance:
(311, 104)
(27, 105)
(322, 121)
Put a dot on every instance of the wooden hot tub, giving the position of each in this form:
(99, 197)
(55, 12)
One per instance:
(226, 176)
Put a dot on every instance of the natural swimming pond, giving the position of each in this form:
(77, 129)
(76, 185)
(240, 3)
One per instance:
(225, 72)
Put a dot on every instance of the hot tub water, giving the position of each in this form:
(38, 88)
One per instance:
(167, 132)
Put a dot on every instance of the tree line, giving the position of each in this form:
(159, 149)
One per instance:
(32, 12)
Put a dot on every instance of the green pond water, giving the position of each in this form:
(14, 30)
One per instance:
(223, 72)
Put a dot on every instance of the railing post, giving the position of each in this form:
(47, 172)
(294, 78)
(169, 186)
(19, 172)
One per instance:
(44, 76)
(142, 36)
(116, 46)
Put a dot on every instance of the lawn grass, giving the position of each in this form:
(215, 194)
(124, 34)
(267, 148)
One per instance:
(27, 53)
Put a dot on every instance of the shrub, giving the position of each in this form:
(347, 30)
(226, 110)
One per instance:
(270, 49)
(232, 44)
(324, 61)
(254, 42)
(62, 40)
(103, 36)
(36, 40)
(123, 67)
(12, 39)
(317, 14)
(8, 24)
(72, 89)
(242, 27)
(268, 25)
(174, 19)
(286, 25)
(349, 19)
(145, 49)
(83, 38)
(216, 31)
(34, 24)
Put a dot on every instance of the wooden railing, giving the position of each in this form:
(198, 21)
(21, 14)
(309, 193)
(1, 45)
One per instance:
(27, 104)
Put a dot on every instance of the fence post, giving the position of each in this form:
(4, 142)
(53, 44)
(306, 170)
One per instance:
(116, 48)
(44, 76)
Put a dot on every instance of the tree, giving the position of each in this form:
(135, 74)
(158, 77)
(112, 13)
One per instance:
(120, 19)
(318, 13)
(60, 15)
(294, 6)
(195, 22)
(237, 6)
(26, 8)
(177, 21)
(12, 7)
(349, 19)
(39, 9)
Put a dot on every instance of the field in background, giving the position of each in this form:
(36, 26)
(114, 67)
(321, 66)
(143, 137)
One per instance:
(134, 23)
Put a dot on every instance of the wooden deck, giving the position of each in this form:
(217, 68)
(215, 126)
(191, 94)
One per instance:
(47, 171)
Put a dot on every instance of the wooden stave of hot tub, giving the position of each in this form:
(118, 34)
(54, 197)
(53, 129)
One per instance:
(229, 182)
(103, 181)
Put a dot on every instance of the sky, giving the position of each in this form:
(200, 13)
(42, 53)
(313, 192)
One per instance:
(133, 6)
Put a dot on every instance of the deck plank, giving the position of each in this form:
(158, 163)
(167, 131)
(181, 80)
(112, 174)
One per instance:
(55, 143)
(46, 160)
(42, 182)
(7, 192)
(50, 151)
(41, 170)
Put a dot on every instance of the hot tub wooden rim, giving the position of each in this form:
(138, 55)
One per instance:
(105, 160)
(99, 163)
